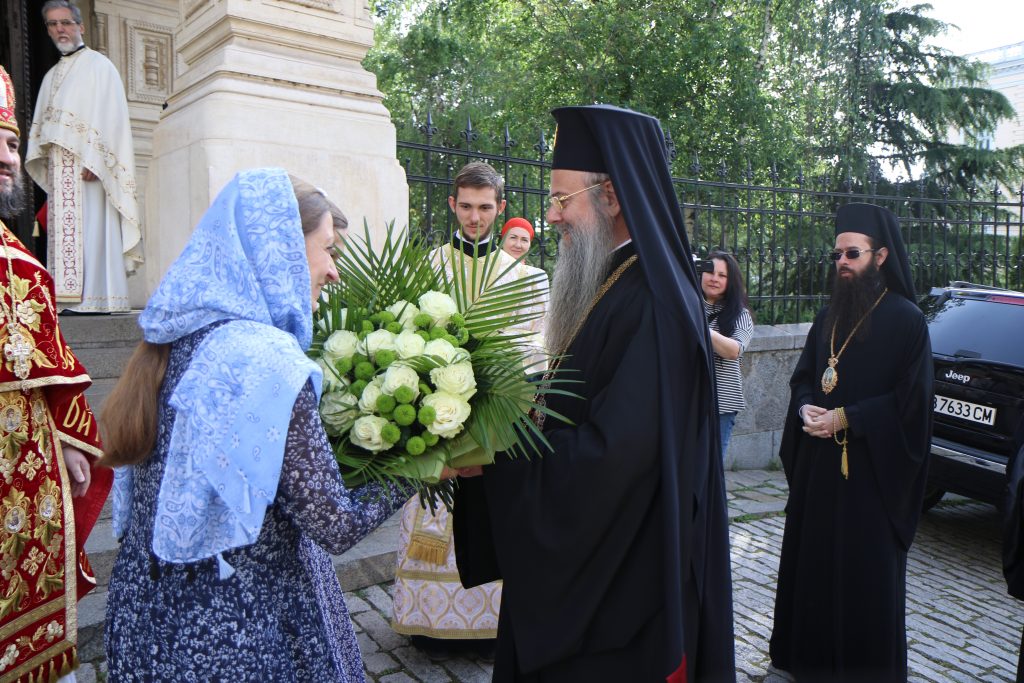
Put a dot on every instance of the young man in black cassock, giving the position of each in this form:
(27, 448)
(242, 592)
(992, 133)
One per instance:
(855, 449)
(613, 545)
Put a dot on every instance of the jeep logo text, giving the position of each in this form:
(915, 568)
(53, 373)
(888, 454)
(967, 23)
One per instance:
(963, 379)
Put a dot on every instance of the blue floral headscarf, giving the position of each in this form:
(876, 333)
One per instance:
(244, 264)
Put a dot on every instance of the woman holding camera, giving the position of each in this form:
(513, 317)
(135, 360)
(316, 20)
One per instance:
(728, 314)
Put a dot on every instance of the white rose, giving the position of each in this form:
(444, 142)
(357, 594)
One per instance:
(368, 399)
(378, 340)
(400, 376)
(456, 379)
(441, 348)
(366, 433)
(341, 344)
(440, 307)
(450, 413)
(409, 344)
(333, 380)
(338, 410)
(404, 312)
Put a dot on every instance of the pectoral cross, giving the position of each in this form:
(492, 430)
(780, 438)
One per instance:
(18, 350)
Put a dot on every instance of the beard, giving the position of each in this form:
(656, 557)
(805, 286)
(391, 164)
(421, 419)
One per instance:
(13, 200)
(66, 48)
(581, 268)
(852, 298)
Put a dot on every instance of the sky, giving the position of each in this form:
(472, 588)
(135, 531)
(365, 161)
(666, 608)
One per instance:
(984, 24)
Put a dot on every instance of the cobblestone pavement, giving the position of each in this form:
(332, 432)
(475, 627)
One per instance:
(961, 624)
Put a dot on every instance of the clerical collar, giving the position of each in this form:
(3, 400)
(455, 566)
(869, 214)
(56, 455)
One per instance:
(474, 249)
(621, 253)
(77, 49)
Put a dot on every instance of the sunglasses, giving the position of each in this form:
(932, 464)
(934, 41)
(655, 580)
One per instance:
(852, 254)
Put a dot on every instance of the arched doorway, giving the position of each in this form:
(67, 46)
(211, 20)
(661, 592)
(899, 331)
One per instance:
(27, 54)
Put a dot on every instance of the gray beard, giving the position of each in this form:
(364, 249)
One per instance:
(66, 50)
(12, 201)
(581, 268)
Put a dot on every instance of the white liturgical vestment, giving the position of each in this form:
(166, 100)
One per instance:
(93, 236)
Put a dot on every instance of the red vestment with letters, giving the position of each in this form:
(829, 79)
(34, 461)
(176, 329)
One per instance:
(43, 565)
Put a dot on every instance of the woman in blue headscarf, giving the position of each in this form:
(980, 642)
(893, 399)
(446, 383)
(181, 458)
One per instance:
(228, 499)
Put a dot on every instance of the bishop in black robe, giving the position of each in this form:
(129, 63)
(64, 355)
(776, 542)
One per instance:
(613, 545)
(840, 602)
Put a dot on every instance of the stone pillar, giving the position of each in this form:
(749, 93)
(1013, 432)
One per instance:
(271, 83)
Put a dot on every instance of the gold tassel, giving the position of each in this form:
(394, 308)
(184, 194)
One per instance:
(844, 463)
(428, 549)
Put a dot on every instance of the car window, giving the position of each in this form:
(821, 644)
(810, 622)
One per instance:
(974, 327)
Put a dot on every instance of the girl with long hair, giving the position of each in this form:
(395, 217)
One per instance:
(228, 501)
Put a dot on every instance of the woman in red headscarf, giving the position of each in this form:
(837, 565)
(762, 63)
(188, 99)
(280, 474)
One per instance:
(516, 237)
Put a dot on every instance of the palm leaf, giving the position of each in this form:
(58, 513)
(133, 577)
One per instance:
(375, 276)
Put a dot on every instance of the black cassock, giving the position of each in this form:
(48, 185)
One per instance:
(840, 604)
(577, 534)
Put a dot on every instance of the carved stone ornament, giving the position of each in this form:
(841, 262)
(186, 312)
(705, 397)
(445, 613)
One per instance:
(101, 45)
(150, 62)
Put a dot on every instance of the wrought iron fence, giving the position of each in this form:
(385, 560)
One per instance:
(779, 231)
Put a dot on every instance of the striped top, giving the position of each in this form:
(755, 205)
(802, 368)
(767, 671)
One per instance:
(728, 379)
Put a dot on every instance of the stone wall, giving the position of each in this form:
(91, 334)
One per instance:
(767, 365)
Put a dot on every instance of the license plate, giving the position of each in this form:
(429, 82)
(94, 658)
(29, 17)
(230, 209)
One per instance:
(965, 410)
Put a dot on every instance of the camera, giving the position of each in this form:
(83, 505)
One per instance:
(703, 265)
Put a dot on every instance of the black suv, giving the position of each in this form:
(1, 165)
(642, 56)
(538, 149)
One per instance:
(977, 335)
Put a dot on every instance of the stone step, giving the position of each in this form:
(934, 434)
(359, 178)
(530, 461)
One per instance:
(103, 344)
(367, 563)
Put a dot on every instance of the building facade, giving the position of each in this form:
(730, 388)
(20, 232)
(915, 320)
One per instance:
(1007, 76)
(215, 86)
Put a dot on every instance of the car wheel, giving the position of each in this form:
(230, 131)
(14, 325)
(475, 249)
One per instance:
(931, 497)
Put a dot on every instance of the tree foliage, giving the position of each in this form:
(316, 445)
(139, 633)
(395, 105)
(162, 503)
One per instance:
(842, 87)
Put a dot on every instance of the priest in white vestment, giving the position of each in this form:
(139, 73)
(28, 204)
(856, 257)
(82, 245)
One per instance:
(80, 152)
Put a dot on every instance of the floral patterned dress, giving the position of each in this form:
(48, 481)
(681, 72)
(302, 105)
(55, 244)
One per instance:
(281, 615)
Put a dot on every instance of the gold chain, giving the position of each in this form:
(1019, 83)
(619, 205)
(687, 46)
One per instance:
(830, 378)
(18, 347)
(8, 313)
(538, 417)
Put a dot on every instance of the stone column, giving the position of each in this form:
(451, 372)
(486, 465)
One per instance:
(271, 83)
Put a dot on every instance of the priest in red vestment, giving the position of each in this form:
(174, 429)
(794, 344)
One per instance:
(50, 496)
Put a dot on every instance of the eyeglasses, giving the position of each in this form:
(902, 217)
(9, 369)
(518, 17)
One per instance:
(66, 23)
(853, 253)
(558, 201)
